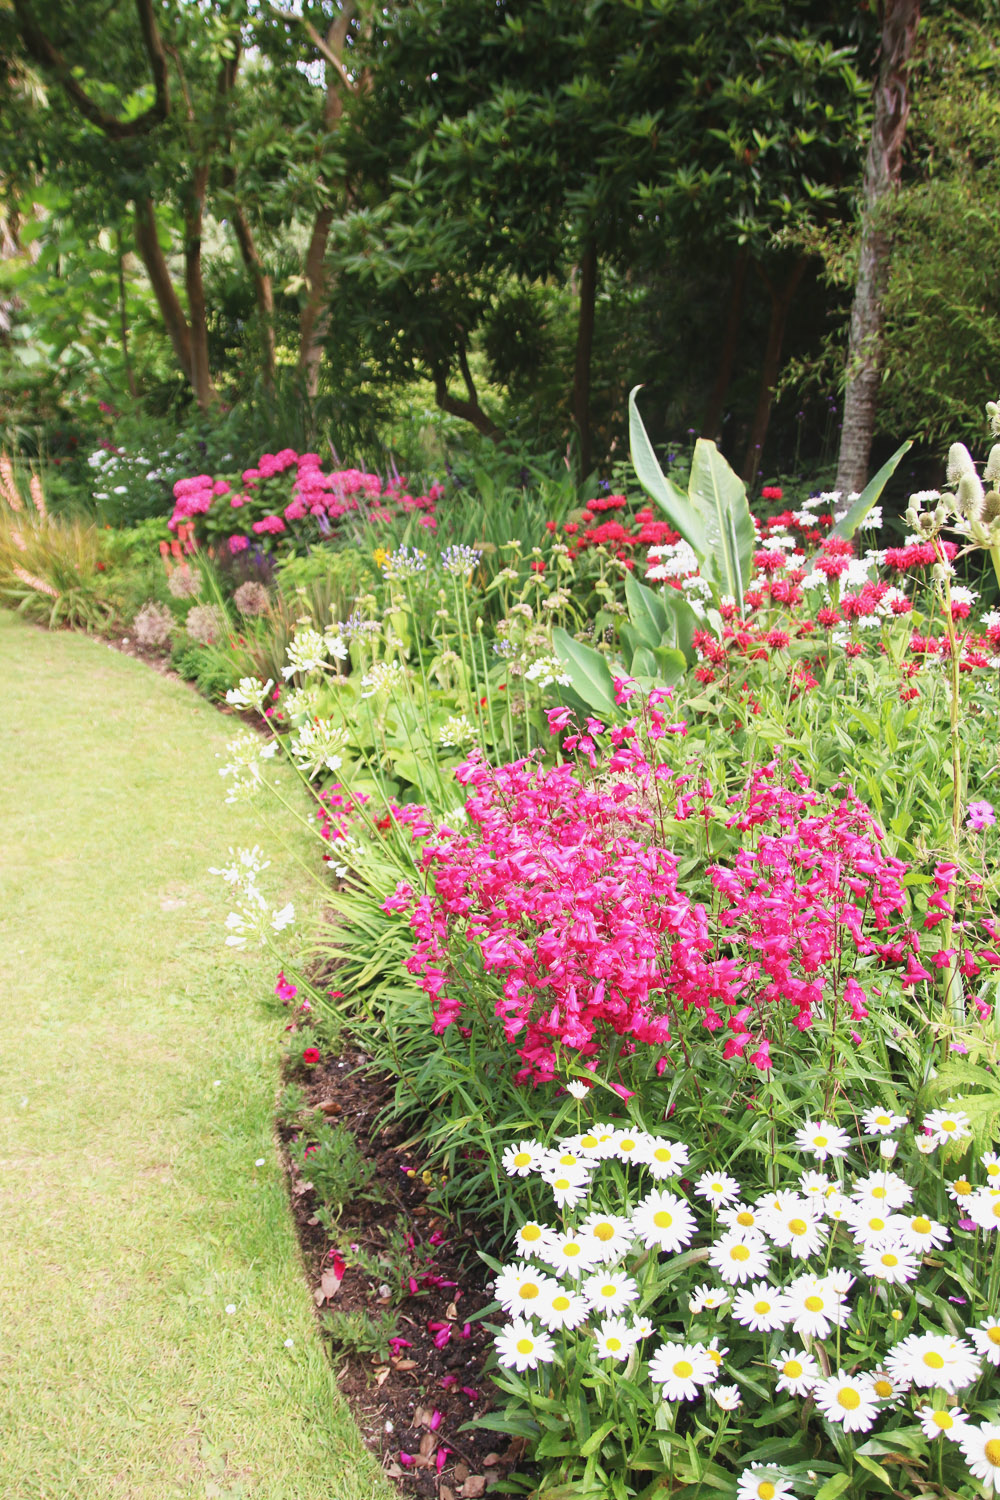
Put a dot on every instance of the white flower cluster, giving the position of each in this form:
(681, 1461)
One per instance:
(316, 745)
(382, 679)
(254, 917)
(785, 1263)
(456, 731)
(547, 671)
(672, 560)
(251, 693)
(310, 650)
(244, 768)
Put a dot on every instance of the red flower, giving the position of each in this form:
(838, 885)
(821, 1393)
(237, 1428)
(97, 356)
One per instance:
(311, 1056)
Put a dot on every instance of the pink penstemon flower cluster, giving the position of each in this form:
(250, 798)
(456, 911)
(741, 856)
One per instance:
(568, 897)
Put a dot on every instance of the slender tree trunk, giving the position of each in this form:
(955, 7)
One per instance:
(469, 410)
(782, 295)
(712, 423)
(148, 245)
(584, 353)
(263, 293)
(123, 319)
(883, 165)
(201, 376)
(315, 316)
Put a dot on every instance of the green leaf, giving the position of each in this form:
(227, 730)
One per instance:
(834, 1486)
(672, 664)
(646, 611)
(720, 497)
(674, 504)
(589, 672)
(869, 495)
(873, 1468)
(596, 1439)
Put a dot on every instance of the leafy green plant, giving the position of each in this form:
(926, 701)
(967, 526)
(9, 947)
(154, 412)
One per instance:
(330, 1157)
(356, 1333)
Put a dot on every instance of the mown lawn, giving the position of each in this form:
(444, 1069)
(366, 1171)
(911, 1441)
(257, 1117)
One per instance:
(138, 1061)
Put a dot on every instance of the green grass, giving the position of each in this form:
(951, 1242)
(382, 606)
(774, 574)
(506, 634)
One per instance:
(131, 1211)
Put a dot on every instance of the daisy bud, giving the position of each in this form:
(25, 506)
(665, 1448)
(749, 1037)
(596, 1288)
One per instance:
(887, 1149)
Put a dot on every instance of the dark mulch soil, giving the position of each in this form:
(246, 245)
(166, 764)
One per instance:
(417, 1401)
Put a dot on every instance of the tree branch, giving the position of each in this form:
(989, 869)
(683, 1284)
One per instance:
(49, 56)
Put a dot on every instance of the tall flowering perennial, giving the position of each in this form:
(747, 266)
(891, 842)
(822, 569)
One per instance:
(568, 897)
(667, 1300)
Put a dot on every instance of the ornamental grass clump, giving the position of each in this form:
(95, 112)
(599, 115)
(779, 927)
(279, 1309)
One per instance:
(836, 1333)
(563, 915)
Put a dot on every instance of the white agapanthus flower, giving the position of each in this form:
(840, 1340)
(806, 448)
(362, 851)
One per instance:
(382, 680)
(305, 653)
(456, 731)
(316, 747)
(251, 693)
(546, 671)
(244, 768)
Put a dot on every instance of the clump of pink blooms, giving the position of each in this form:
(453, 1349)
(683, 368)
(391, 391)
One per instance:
(288, 492)
(568, 896)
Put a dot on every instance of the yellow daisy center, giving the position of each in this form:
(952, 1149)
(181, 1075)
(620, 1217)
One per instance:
(797, 1226)
(739, 1252)
(882, 1120)
(567, 1159)
(883, 1388)
(614, 1344)
(522, 1158)
(571, 1250)
(589, 1142)
(962, 1187)
(949, 1125)
(814, 1304)
(762, 1307)
(562, 1183)
(745, 1219)
(628, 1145)
(993, 1170)
(993, 1334)
(890, 1260)
(876, 1223)
(683, 1369)
(820, 1140)
(766, 1490)
(525, 1346)
(528, 1292)
(662, 1219)
(995, 1209)
(792, 1368)
(531, 1232)
(933, 1360)
(848, 1399)
(920, 1225)
(560, 1303)
(943, 1420)
(992, 1452)
(604, 1232)
(878, 1192)
(608, 1289)
(714, 1356)
(662, 1154)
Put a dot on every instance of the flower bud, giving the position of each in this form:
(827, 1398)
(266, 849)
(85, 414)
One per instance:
(993, 413)
(959, 462)
(991, 473)
(887, 1149)
(969, 496)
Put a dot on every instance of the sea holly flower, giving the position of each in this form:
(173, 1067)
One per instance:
(947, 1125)
(848, 1400)
(822, 1140)
(520, 1347)
(680, 1370)
(951, 1422)
(764, 1484)
(981, 1451)
(797, 1371)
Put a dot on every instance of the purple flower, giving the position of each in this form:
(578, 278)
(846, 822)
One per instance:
(980, 815)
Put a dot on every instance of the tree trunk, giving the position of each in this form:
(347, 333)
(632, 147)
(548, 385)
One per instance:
(782, 294)
(123, 319)
(883, 165)
(201, 377)
(148, 245)
(263, 293)
(469, 410)
(584, 351)
(712, 423)
(315, 316)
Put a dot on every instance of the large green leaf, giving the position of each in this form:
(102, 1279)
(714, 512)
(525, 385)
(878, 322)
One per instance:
(673, 502)
(869, 495)
(721, 499)
(665, 619)
(589, 673)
